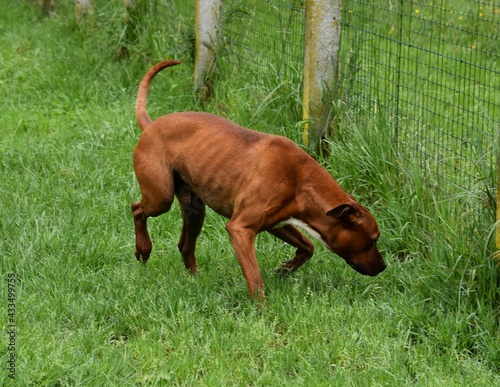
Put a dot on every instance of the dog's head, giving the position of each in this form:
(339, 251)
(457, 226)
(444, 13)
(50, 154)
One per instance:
(354, 237)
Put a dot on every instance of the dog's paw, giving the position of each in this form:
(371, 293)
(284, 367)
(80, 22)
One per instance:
(284, 270)
(142, 258)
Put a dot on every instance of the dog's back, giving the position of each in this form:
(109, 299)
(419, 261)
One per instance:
(218, 159)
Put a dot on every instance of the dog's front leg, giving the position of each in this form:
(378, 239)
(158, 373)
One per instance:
(243, 241)
(294, 237)
(193, 214)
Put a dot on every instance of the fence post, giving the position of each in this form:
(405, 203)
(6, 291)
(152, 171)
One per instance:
(321, 46)
(82, 9)
(208, 30)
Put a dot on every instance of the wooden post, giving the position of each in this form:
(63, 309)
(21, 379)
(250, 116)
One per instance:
(82, 9)
(322, 37)
(129, 7)
(208, 31)
(49, 7)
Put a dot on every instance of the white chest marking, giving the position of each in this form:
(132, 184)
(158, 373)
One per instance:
(301, 224)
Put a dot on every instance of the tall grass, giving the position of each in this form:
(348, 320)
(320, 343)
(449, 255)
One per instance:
(88, 313)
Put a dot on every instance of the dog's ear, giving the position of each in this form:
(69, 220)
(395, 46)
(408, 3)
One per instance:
(342, 212)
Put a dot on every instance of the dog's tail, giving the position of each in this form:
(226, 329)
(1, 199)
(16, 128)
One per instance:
(140, 105)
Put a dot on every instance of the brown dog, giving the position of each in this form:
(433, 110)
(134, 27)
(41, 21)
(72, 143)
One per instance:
(259, 181)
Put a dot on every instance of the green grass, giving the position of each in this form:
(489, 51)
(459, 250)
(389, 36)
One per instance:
(88, 313)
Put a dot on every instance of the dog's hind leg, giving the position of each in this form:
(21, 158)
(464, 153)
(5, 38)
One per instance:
(294, 237)
(193, 215)
(157, 188)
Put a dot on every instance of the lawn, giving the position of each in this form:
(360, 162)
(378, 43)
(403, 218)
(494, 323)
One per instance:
(76, 308)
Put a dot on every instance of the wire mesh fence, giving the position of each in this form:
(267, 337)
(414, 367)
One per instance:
(432, 67)
(264, 39)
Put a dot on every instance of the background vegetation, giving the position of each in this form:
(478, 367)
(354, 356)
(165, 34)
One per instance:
(88, 313)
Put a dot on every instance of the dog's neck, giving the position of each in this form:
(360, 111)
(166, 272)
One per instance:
(319, 195)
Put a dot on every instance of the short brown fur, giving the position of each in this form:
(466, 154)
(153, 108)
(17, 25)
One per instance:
(260, 182)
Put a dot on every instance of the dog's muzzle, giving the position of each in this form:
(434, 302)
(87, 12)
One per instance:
(371, 270)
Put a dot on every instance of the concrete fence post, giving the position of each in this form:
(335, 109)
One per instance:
(321, 46)
(208, 31)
